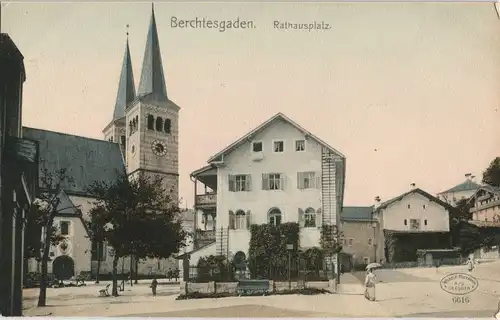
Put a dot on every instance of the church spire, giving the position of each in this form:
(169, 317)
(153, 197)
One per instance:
(126, 87)
(152, 79)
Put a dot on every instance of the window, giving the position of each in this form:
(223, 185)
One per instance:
(240, 182)
(409, 206)
(51, 254)
(257, 146)
(240, 220)
(414, 224)
(273, 181)
(151, 122)
(424, 206)
(350, 242)
(300, 145)
(167, 126)
(279, 146)
(370, 240)
(425, 222)
(64, 226)
(406, 222)
(159, 124)
(274, 216)
(310, 218)
(308, 180)
(123, 140)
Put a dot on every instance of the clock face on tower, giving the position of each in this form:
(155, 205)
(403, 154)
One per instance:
(159, 148)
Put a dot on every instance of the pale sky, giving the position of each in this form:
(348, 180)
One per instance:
(419, 82)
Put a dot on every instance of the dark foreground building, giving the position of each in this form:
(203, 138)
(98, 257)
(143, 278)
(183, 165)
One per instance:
(18, 177)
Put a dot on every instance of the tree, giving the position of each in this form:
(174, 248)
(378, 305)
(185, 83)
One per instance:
(491, 176)
(138, 218)
(462, 210)
(96, 229)
(41, 219)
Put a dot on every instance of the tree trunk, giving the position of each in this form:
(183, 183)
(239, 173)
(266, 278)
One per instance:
(98, 269)
(136, 270)
(115, 274)
(131, 272)
(42, 297)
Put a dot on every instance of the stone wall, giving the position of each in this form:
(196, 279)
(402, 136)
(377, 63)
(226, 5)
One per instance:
(231, 287)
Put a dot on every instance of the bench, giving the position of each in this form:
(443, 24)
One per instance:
(251, 287)
(104, 292)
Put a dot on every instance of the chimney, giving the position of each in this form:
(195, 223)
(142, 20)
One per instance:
(377, 203)
(468, 176)
(412, 186)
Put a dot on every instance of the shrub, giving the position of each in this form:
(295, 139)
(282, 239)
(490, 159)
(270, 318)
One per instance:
(203, 295)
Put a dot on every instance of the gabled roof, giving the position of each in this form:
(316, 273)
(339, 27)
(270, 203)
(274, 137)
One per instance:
(86, 160)
(152, 83)
(357, 213)
(419, 191)
(66, 208)
(277, 117)
(126, 87)
(487, 188)
(467, 185)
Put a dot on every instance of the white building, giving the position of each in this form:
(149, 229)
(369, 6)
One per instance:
(459, 192)
(414, 212)
(279, 172)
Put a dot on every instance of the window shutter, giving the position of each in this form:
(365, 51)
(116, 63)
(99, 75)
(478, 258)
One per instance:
(232, 221)
(282, 181)
(300, 180)
(318, 180)
(265, 181)
(318, 218)
(301, 218)
(248, 182)
(249, 220)
(232, 182)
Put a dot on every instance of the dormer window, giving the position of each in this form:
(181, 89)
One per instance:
(257, 146)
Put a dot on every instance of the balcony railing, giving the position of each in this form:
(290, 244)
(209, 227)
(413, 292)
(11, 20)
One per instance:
(206, 200)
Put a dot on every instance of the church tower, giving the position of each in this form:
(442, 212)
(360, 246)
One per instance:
(115, 131)
(152, 121)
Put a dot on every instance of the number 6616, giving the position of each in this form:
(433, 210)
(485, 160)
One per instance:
(461, 299)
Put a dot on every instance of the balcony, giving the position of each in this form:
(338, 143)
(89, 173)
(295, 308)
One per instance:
(208, 200)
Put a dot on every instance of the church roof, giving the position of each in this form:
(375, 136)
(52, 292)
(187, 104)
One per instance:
(467, 185)
(152, 83)
(126, 86)
(87, 160)
(10, 52)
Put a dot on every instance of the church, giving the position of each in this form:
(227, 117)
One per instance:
(141, 137)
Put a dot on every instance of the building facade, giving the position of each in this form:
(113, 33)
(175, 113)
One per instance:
(18, 177)
(459, 192)
(361, 237)
(279, 172)
(418, 219)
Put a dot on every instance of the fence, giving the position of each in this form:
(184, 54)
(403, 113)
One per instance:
(415, 264)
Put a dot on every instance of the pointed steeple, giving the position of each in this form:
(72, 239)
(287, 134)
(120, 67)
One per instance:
(126, 87)
(152, 81)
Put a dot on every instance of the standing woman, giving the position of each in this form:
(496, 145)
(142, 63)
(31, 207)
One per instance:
(370, 281)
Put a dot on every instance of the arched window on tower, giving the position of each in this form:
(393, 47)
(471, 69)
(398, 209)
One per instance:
(159, 124)
(136, 123)
(151, 122)
(167, 126)
(130, 128)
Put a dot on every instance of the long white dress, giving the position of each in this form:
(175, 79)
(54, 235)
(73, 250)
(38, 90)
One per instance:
(370, 280)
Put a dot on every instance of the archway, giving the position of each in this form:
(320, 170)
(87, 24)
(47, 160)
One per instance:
(63, 267)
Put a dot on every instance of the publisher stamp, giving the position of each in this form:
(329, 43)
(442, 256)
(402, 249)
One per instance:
(459, 285)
